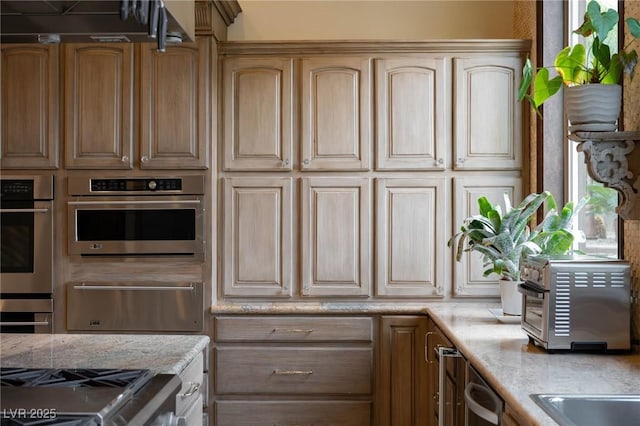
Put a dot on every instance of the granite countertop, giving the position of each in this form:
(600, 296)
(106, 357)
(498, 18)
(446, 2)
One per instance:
(515, 369)
(168, 354)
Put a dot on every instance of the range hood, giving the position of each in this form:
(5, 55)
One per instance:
(33, 21)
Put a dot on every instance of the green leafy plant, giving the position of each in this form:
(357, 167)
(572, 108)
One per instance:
(504, 238)
(581, 64)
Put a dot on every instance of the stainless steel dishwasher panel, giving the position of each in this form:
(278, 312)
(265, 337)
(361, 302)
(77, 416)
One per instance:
(139, 306)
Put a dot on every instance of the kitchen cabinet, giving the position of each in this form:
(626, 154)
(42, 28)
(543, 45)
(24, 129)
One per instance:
(174, 107)
(98, 105)
(336, 232)
(452, 370)
(468, 273)
(258, 113)
(293, 369)
(257, 261)
(193, 393)
(402, 375)
(166, 125)
(411, 223)
(413, 113)
(336, 110)
(30, 107)
(489, 120)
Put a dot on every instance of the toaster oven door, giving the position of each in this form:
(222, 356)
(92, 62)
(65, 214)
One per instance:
(535, 302)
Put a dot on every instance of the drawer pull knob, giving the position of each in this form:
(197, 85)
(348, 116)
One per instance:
(293, 330)
(278, 372)
(195, 387)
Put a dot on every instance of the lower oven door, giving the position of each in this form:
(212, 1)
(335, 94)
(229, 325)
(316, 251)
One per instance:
(26, 315)
(135, 306)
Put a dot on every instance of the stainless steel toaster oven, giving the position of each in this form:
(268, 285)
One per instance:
(576, 302)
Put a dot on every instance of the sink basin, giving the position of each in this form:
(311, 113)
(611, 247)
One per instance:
(587, 410)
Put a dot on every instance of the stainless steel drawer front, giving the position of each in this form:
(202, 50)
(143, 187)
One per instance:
(144, 306)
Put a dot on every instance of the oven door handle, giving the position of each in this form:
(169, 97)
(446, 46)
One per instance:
(528, 290)
(133, 287)
(131, 202)
(24, 210)
(16, 323)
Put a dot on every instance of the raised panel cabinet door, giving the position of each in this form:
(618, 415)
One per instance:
(175, 97)
(336, 113)
(98, 106)
(488, 117)
(336, 229)
(413, 113)
(411, 223)
(403, 384)
(30, 106)
(468, 279)
(258, 113)
(257, 259)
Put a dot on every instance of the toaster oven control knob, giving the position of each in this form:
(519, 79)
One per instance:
(535, 275)
(152, 185)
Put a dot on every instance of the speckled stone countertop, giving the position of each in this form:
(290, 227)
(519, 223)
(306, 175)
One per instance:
(516, 369)
(499, 351)
(168, 354)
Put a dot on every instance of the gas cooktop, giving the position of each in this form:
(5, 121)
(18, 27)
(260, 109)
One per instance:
(100, 397)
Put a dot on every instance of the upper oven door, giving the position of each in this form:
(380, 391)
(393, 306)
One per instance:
(26, 246)
(166, 225)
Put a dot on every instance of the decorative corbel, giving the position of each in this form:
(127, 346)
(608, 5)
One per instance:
(610, 158)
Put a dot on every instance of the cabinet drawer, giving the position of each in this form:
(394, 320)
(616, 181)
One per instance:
(192, 385)
(293, 329)
(281, 413)
(254, 369)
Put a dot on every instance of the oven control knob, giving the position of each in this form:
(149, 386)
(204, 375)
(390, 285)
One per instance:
(535, 275)
(152, 185)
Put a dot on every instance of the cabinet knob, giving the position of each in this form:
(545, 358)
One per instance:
(124, 159)
(285, 162)
(144, 159)
(438, 162)
(305, 161)
(460, 160)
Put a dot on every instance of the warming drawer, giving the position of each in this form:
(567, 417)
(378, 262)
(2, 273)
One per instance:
(139, 306)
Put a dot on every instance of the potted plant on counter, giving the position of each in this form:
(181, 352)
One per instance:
(503, 238)
(590, 73)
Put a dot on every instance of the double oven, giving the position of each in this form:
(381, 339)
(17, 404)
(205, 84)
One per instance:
(26, 242)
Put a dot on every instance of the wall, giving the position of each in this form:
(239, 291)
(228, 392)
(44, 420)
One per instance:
(631, 111)
(373, 20)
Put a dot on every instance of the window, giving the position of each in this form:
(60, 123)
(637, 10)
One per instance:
(598, 218)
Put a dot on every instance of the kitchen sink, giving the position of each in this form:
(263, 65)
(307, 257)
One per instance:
(593, 409)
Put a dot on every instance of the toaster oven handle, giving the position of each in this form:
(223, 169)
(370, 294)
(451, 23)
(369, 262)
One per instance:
(528, 290)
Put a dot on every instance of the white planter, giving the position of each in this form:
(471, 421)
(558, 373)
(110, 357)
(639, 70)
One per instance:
(593, 107)
(510, 297)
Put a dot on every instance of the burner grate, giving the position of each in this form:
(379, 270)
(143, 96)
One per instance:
(58, 421)
(47, 377)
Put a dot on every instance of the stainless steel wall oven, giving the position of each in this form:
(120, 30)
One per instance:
(26, 257)
(136, 216)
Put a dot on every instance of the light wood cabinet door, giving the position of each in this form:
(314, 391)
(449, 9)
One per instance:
(410, 231)
(488, 127)
(98, 108)
(336, 113)
(258, 113)
(402, 372)
(468, 276)
(413, 113)
(257, 258)
(30, 106)
(175, 98)
(336, 247)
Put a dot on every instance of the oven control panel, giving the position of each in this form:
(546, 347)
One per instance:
(145, 184)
